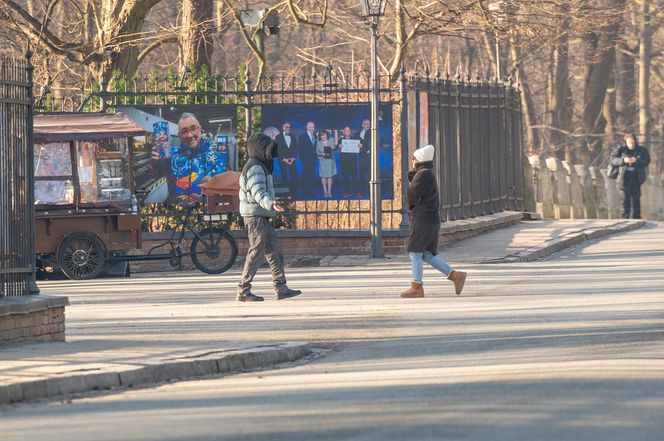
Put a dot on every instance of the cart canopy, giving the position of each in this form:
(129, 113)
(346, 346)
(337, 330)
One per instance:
(226, 183)
(84, 126)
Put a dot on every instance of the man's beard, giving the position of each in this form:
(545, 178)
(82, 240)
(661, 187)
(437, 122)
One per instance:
(194, 143)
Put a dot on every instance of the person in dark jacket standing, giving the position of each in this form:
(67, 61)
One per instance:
(257, 207)
(423, 205)
(632, 161)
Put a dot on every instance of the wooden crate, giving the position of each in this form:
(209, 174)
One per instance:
(215, 204)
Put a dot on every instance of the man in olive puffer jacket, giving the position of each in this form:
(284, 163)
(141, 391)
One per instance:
(257, 206)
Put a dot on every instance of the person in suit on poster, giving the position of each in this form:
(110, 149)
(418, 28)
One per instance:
(288, 151)
(306, 144)
(364, 158)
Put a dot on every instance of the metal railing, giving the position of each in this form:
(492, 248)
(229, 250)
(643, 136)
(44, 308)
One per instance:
(17, 238)
(475, 126)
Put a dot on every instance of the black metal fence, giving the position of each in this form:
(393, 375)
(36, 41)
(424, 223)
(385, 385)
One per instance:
(327, 88)
(17, 251)
(475, 126)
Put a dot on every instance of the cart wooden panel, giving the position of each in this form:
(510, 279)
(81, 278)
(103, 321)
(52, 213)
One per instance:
(118, 232)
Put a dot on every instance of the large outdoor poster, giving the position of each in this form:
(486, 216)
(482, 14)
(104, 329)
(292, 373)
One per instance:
(325, 151)
(177, 155)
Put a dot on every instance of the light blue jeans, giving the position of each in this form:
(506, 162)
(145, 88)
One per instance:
(418, 266)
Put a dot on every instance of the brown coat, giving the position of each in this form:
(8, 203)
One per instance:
(423, 204)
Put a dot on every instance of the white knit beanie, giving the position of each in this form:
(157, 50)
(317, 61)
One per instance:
(424, 154)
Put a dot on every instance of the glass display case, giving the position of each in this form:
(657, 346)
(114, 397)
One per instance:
(103, 170)
(101, 176)
(54, 178)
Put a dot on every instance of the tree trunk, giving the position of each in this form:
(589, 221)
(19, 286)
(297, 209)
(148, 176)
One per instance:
(117, 43)
(400, 40)
(645, 47)
(547, 115)
(196, 33)
(493, 50)
(600, 56)
(609, 113)
(625, 89)
(561, 96)
(527, 105)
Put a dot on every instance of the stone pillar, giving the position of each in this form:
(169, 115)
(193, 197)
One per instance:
(646, 197)
(658, 198)
(612, 197)
(529, 186)
(575, 192)
(599, 191)
(652, 198)
(543, 187)
(561, 198)
(587, 192)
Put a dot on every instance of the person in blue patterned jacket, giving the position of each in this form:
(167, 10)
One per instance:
(193, 162)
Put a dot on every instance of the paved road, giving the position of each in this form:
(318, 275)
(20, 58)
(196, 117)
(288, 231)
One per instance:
(570, 348)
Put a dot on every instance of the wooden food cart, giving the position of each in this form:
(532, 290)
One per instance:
(85, 207)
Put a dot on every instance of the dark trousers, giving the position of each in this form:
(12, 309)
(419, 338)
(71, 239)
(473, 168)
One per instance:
(365, 174)
(631, 202)
(309, 180)
(348, 162)
(263, 243)
(289, 175)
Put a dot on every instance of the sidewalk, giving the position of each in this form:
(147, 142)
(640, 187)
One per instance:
(159, 327)
(522, 242)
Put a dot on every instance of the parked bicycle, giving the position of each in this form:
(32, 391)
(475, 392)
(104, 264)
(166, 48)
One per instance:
(213, 248)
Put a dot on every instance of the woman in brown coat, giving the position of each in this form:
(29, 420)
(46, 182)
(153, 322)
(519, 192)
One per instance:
(423, 203)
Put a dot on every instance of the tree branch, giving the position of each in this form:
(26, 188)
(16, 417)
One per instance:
(31, 26)
(154, 45)
(301, 18)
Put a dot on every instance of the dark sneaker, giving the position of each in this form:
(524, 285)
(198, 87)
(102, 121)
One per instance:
(287, 293)
(249, 297)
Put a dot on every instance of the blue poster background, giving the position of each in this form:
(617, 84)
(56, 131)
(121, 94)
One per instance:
(333, 119)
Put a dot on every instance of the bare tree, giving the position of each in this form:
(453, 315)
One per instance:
(645, 49)
(196, 33)
(103, 36)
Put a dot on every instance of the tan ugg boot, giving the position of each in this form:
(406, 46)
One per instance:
(415, 290)
(459, 279)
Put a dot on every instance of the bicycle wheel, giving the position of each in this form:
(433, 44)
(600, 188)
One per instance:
(214, 250)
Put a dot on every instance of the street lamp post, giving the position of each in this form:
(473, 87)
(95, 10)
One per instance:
(499, 9)
(372, 10)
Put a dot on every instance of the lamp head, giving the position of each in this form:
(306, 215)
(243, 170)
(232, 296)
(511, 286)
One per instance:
(373, 8)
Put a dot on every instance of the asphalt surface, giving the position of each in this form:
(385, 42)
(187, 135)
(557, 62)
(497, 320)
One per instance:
(568, 348)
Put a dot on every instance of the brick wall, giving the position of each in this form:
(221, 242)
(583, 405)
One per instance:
(42, 325)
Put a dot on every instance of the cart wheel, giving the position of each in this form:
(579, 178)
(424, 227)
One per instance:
(214, 250)
(81, 257)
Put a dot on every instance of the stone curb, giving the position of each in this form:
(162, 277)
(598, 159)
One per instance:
(186, 368)
(568, 240)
